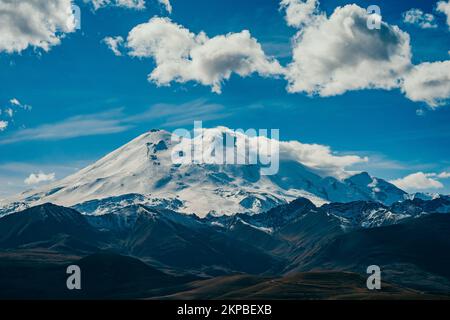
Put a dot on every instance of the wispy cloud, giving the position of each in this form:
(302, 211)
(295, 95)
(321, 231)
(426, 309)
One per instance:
(379, 161)
(116, 120)
(177, 115)
(78, 126)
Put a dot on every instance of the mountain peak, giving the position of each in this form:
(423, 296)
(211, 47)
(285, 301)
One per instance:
(152, 136)
(145, 166)
(361, 178)
(42, 224)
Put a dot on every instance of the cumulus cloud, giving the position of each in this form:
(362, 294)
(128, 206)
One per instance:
(131, 4)
(300, 12)
(114, 44)
(419, 18)
(3, 125)
(319, 157)
(167, 5)
(429, 82)
(182, 56)
(339, 53)
(444, 7)
(253, 145)
(421, 181)
(36, 178)
(336, 54)
(31, 23)
(418, 181)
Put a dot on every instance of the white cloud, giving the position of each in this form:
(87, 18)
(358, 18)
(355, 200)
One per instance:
(3, 125)
(249, 144)
(418, 181)
(16, 103)
(131, 4)
(32, 23)
(9, 112)
(167, 5)
(114, 44)
(300, 12)
(428, 82)
(444, 175)
(319, 157)
(420, 112)
(182, 56)
(444, 7)
(419, 18)
(336, 54)
(12, 173)
(339, 53)
(36, 178)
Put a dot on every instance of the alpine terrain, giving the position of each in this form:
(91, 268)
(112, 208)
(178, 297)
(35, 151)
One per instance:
(143, 226)
(142, 171)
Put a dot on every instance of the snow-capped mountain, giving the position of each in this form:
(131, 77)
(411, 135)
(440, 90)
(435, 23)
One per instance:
(423, 196)
(375, 188)
(143, 172)
(365, 214)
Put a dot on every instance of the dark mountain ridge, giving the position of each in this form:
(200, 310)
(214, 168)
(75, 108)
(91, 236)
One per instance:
(289, 239)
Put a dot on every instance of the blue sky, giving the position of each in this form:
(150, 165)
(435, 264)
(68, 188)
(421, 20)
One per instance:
(90, 101)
